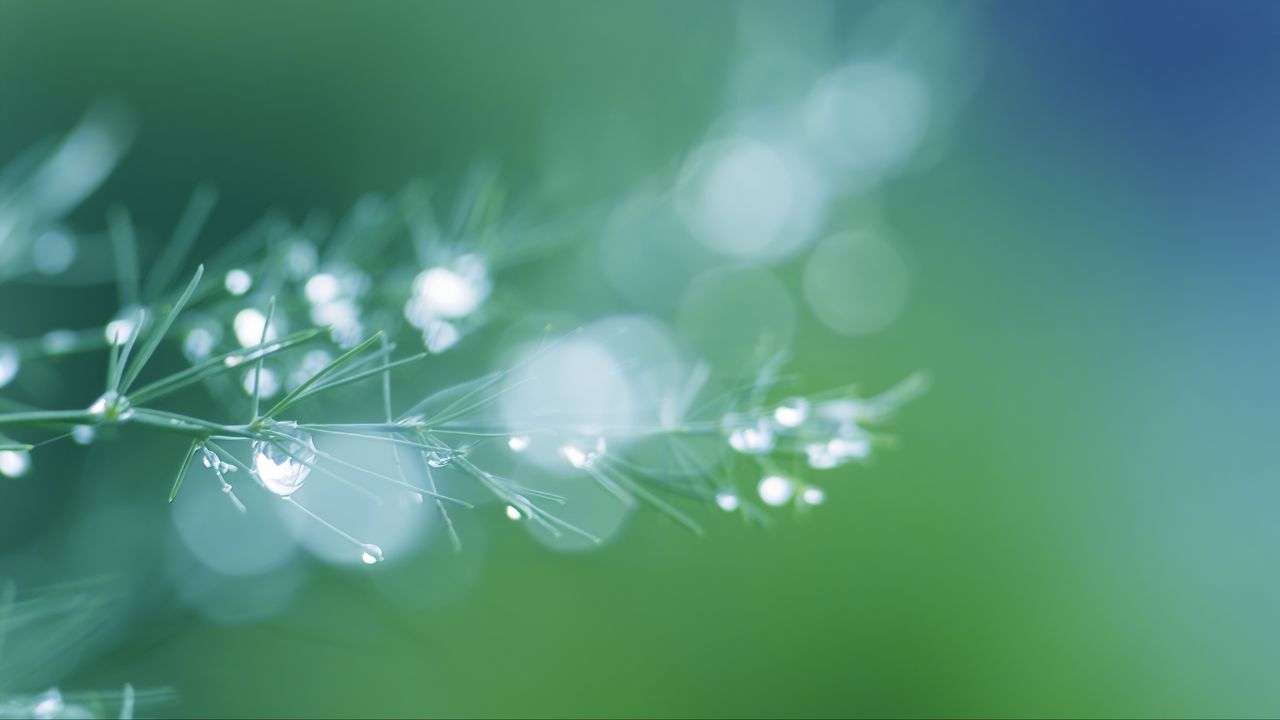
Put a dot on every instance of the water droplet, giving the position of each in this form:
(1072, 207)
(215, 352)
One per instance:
(518, 443)
(124, 325)
(248, 326)
(111, 407)
(820, 456)
(584, 458)
(813, 495)
(321, 288)
(837, 451)
(372, 554)
(10, 362)
(14, 463)
(438, 458)
(238, 282)
(854, 447)
(753, 440)
(48, 705)
(775, 490)
(449, 292)
(727, 501)
(83, 434)
(282, 464)
(513, 513)
(791, 413)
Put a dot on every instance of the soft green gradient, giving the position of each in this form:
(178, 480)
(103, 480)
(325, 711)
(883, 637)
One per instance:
(1078, 520)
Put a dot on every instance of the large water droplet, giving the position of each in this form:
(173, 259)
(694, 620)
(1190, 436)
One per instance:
(10, 362)
(518, 443)
(14, 463)
(248, 326)
(283, 463)
(775, 490)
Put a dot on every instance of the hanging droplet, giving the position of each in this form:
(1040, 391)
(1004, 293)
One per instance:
(111, 407)
(775, 490)
(10, 362)
(792, 412)
(83, 434)
(755, 439)
(513, 513)
(282, 464)
(727, 501)
(372, 554)
(813, 496)
(438, 458)
(518, 443)
(14, 463)
(238, 282)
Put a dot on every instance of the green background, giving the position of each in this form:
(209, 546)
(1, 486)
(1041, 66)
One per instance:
(1080, 518)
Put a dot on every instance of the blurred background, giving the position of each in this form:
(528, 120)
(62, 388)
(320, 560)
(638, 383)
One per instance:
(1064, 214)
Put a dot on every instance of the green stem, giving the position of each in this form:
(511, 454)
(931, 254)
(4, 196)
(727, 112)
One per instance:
(46, 417)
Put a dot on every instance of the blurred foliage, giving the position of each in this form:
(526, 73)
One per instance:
(1078, 520)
